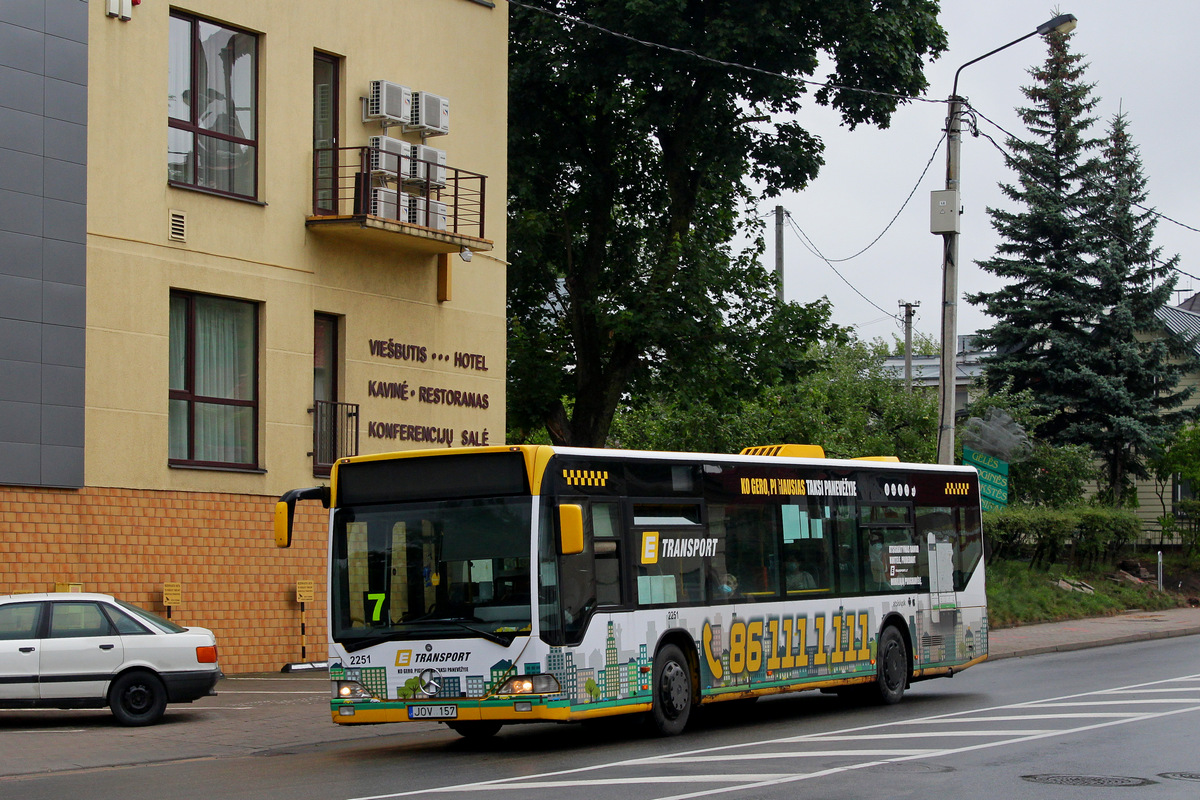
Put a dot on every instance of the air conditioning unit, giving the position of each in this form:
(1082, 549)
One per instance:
(390, 102)
(390, 156)
(430, 213)
(430, 114)
(428, 166)
(390, 204)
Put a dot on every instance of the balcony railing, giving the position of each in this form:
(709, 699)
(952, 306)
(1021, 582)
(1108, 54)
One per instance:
(335, 434)
(368, 182)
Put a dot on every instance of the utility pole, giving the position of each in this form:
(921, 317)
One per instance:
(779, 212)
(949, 231)
(944, 220)
(909, 312)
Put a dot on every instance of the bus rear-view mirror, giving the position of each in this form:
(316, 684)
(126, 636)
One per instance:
(570, 528)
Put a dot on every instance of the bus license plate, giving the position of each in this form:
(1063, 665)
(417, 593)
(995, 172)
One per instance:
(433, 712)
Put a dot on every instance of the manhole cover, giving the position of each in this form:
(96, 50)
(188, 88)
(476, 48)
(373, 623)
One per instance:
(1180, 776)
(1088, 780)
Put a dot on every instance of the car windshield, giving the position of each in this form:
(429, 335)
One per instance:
(151, 619)
(431, 570)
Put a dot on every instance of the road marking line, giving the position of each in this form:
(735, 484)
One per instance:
(815, 738)
(1022, 717)
(800, 754)
(1141, 702)
(641, 780)
(927, 734)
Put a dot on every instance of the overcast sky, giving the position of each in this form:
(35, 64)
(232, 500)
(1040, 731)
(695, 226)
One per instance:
(1141, 57)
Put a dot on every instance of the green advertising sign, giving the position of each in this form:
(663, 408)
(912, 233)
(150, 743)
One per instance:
(993, 478)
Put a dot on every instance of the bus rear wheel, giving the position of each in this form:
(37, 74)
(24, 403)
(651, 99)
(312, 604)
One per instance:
(891, 666)
(672, 689)
(475, 730)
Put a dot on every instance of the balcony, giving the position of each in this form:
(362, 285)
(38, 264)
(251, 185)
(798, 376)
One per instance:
(335, 434)
(373, 195)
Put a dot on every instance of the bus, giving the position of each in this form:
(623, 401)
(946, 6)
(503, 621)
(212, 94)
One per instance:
(493, 585)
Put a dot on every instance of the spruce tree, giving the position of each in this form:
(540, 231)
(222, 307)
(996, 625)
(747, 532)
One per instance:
(1135, 403)
(1046, 309)
(1076, 322)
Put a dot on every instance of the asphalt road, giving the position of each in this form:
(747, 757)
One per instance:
(1124, 713)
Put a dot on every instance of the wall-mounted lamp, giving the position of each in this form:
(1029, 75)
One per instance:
(466, 254)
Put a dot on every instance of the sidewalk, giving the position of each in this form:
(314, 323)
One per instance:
(254, 714)
(1132, 626)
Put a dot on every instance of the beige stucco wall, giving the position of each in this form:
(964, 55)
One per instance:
(382, 286)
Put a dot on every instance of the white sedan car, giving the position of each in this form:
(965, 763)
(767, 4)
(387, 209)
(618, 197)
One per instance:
(82, 650)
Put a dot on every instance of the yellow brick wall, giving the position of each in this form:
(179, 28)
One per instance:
(220, 547)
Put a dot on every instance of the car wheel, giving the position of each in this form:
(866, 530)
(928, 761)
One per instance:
(137, 698)
(672, 691)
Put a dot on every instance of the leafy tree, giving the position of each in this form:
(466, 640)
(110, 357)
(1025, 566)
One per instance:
(849, 404)
(923, 344)
(1053, 476)
(628, 167)
(1179, 457)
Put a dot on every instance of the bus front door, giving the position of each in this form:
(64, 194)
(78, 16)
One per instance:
(942, 596)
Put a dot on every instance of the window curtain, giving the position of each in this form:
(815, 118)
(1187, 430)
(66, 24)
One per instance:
(177, 436)
(225, 369)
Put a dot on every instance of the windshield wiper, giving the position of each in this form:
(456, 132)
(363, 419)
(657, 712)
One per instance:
(462, 623)
(351, 645)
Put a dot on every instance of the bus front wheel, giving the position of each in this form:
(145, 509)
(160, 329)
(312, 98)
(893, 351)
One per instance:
(672, 691)
(891, 675)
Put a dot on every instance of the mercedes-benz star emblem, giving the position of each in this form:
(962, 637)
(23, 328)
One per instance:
(430, 681)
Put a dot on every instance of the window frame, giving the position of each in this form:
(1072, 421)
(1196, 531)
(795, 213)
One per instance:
(188, 393)
(192, 125)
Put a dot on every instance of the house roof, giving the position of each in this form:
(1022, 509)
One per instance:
(1183, 321)
(1191, 304)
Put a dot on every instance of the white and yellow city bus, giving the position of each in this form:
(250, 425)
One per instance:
(495, 585)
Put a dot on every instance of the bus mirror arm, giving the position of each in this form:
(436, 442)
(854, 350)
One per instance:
(285, 510)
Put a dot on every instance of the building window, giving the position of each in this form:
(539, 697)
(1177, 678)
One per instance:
(212, 107)
(214, 382)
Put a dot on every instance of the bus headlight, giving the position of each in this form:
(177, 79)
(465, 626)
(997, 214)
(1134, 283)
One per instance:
(531, 684)
(350, 690)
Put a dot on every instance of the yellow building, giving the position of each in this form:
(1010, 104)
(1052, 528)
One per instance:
(242, 240)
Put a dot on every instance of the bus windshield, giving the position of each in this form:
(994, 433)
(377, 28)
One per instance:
(428, 570)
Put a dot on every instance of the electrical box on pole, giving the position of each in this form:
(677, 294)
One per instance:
(944, 211)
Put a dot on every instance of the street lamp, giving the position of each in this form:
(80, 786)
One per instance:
(945, 209)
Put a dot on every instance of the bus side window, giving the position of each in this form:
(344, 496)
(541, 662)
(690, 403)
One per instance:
(807, 549)
(751, 550)
(606, 530)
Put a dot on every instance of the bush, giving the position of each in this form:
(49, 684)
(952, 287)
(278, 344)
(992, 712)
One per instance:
(1043, 534)
(1102, 533)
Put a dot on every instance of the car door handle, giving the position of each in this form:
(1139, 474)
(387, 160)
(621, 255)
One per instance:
(26, 649)
(107, 646)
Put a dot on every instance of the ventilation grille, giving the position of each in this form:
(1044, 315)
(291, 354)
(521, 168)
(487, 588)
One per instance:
(786, 451)
(176, 225)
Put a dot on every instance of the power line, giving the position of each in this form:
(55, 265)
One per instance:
(812, 248)
(903, 205)
(711, 60)
(1007, 154)
(892, 222)
(1153, 211)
